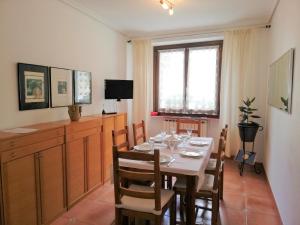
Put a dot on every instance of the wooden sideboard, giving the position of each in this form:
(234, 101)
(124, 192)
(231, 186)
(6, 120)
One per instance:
(46, 172)
(110, 123)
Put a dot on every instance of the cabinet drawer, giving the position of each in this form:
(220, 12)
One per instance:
(31, 138)
(81, 134)
(30, 149)
(80, 126)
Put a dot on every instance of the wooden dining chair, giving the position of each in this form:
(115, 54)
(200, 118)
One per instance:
(183, 124)
(138, 201)
(209, 189)
(213, 162)
(120, 139)
(139, 133)
(139, 137)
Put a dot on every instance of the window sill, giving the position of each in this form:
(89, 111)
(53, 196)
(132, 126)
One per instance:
(185, 116)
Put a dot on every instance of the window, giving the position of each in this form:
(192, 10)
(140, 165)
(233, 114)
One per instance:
(187, 79)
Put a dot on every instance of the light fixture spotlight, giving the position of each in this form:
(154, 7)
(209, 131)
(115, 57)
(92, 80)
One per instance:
(164, 5)
(167, 4)
(171, 11)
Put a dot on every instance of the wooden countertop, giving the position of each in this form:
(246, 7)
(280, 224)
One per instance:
(51, 125)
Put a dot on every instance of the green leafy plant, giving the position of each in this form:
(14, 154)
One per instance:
(247, 111)
(285, 102)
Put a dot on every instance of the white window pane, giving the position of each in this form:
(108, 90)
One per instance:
(202, 79)
(171, 80)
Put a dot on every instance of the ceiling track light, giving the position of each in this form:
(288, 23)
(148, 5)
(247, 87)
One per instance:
(171, 11)
(168, 5)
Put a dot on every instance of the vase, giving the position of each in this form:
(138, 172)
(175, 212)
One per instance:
(74, 112)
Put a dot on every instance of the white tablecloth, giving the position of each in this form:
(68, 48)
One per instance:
(181, 165)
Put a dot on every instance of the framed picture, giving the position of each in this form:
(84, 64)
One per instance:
(33, 86)
(61, 81)
(82, 87)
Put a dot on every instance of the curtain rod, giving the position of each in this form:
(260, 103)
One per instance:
(267, 26)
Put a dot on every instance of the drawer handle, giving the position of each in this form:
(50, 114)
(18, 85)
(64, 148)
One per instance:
(13, 154)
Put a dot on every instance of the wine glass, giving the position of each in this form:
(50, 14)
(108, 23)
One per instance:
(173, 132)
(151, 143)
(189, 132)
(172, 142)
(163, 134)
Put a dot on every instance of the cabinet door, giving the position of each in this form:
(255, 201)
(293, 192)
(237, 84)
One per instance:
(75, 154)
(108, 127)
(120, 122)
(20, 196)
(51, 183)
(93, 161)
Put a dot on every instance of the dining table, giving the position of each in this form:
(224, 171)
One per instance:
(181, 164)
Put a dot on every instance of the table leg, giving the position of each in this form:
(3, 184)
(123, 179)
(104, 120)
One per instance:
(190, 199)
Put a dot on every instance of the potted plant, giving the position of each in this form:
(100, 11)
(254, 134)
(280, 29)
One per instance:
(247, 127)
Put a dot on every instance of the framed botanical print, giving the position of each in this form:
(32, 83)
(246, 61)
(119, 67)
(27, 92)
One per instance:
(33, 86)
(61, 83)
(82, 87)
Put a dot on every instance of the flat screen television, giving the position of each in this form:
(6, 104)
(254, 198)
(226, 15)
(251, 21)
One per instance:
(118, 89)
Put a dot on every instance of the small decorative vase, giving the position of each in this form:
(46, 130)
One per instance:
(74, 112)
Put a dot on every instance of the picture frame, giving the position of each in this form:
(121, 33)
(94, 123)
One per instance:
(33, 86)
(61, 87)
(82, 87)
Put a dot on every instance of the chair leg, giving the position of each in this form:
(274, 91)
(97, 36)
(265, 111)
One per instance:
(173, 211)
(221, 182)
(157, 220)
(118, 217)
(215, 209)
(169, 182)
(131, 220)
(181, 208)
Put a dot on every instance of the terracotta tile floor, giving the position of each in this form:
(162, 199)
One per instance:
(247, 201)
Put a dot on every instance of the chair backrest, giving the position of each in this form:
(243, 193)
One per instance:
(120, 139)
(139, 133)
(136, 175)
(224, 134)
(225, 131)
(183, 124)
(221, 148)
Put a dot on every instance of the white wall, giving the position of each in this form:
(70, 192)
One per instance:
(51, 33)
(282, 152)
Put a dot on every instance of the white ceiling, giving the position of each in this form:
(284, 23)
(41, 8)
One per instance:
(140, 18)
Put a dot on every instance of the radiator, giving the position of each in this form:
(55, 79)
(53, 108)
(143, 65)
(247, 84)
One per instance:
(170, 125)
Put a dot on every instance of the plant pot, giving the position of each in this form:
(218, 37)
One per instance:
(74, 112)
(248, 131)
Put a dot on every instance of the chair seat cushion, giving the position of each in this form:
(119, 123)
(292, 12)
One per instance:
(207, 185)
(212, 163)
(144, 205)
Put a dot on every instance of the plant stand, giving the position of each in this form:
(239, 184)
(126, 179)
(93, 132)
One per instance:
(246, 157)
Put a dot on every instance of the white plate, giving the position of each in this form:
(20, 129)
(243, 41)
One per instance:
(145, 147)
(160, 139)
(184, 136)
(163, 159)
(191, 153)
(198, 143)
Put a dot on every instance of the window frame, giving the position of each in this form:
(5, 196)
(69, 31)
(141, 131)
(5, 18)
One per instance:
(186, 47)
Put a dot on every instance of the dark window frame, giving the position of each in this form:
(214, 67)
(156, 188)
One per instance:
(186, 46)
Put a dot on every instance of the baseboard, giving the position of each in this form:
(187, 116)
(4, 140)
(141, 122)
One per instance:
(263, 168)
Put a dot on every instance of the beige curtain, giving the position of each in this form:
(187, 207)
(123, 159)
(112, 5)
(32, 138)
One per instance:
(244, 74)
(142, 52)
